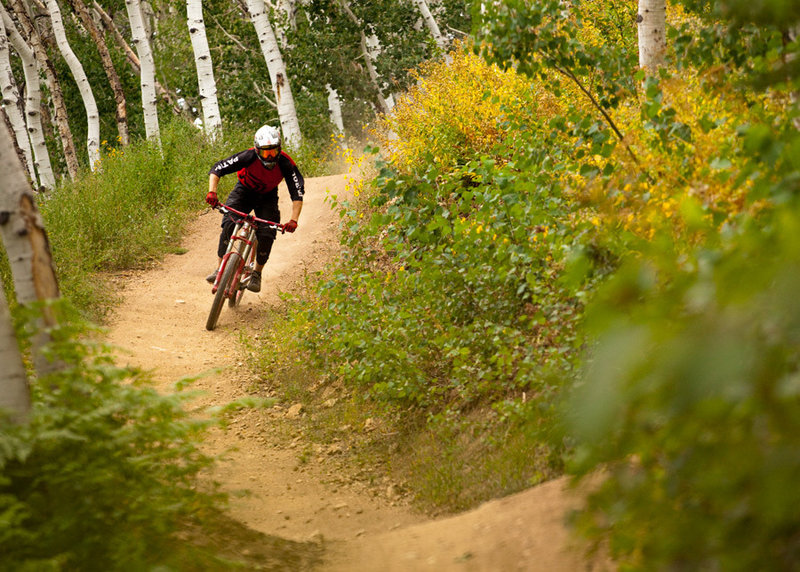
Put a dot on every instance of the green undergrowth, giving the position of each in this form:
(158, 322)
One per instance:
(127, 214)
(691, 403)
(106, 472)
(576, 285)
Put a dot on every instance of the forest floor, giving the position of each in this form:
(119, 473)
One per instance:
(305, 507)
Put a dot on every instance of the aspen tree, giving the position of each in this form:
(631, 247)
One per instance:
(147, 73)
(383, 104)
(652, 23)
(11, 103)
(131, 56)
(15, 395)
(33, 100)
(108, 66)
(430, 22)
(212, 122)
(60, 117)
(26, 244)
(335, 111)
(277, 72)
(85, 90)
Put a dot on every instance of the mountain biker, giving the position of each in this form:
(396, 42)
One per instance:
(259, 169)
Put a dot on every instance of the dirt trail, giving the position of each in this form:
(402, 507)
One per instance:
(160, 326)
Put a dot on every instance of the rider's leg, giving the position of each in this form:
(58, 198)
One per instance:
(267, 209)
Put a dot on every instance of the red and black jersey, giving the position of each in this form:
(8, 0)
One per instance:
(256, 177)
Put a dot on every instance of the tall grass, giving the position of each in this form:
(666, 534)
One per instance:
(132, 210)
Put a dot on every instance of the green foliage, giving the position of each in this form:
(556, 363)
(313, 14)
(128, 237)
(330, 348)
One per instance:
(326, 47)
(450, 309)
(688, 394)
(458, 109)
(106, 474)
(456, 294)
(5, 276)
(322, 49)
(691, 402)
(545, 37)
(464, 283)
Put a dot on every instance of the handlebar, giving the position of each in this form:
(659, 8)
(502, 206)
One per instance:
(225, 209)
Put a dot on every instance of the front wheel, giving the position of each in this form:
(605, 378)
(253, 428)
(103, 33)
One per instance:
(231, 266)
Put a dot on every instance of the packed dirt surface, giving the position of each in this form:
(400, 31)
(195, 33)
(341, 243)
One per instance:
(300, 492)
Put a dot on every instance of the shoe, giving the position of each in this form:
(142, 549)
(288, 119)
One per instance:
(211, 277)
(255, 282)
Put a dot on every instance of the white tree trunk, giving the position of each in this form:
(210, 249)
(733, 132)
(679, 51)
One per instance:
(290, 7)
(430, 22)
(11, 103)
(794, 33)
(212, 122)
(60, 118)
(26, 244)
(33, 100)
(335, 111)
(92, 115)
(148, 70)
(14, 393)
(88, 22)
(652, 24)
(131, 56)
(277, 73)
(282, 28)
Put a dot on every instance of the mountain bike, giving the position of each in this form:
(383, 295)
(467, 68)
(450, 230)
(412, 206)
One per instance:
(238, 263)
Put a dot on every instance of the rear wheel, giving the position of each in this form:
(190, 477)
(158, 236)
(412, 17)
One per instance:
(224, 282)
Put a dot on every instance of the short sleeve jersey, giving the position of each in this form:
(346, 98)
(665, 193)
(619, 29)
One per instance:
(254, 176)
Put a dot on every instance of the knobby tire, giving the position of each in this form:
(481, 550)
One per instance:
(219, 298)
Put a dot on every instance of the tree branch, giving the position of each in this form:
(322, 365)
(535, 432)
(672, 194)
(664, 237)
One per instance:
(264, 95)
(569, 74)
(229, 36)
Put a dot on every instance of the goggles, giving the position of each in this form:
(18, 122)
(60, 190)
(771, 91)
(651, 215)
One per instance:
(268, 152)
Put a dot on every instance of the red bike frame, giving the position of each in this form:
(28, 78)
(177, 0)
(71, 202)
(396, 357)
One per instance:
(243, 244)
(236, 235)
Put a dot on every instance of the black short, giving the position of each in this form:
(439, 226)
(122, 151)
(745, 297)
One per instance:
(265, 205)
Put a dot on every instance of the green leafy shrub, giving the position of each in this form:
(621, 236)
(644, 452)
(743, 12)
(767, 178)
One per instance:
(106, 474)
(457, 110)
(691, 403)
(688, 403)
(454, 296)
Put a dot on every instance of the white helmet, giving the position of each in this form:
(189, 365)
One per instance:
(267, 143)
